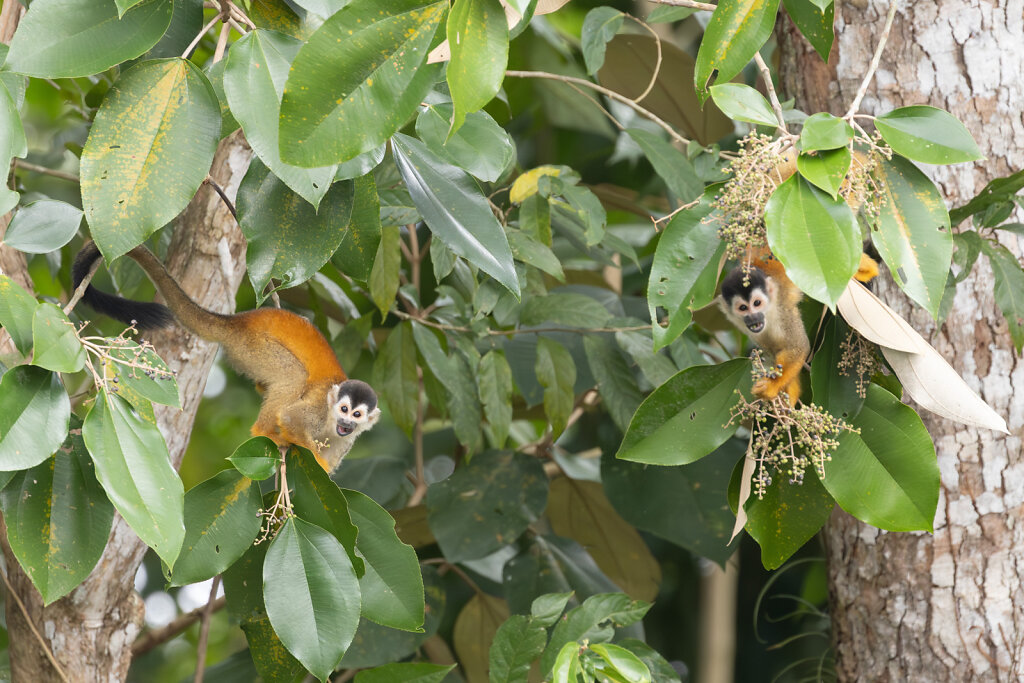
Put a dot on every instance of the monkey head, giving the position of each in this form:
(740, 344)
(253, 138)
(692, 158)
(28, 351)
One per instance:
(747, 297)
(353, 405)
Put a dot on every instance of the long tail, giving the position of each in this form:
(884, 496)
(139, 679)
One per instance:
(145, 315)
(207, 324)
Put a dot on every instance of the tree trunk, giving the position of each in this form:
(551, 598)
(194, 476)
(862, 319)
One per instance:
(90, 631)
(948, 606)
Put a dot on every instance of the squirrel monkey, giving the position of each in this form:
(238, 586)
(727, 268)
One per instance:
(308, 399)
(762, 302)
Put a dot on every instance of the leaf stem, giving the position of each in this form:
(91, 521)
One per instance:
(773, 97)
(862, 90)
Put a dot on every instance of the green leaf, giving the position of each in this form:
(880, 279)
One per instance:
(133, 465)
(478, 39)
(495, 382)
(556, 372)
(357, 80)
(311, 595)
(996, 191)
(58, 518)
(824, 131)
(362, 164)
(143, 372)
(1009, 288)
(599, 26)
(357, 252)
(834, 391)
(486, 504)
(288, 239)
(546, 609)
(17, 310)
(653, 499)
(405, 672)
(257, 458)
(322, 8)
(687, 417)
(627, 665)
(567, 668)
(12, 138)
(392, 586)
(569, 309)
(815, 20)
(70, 38)
(913, 232)
(43, 226)
(34, 415)
(455, 210)
(549, 564)
(742, 103)
(787, 517)
(826, 169)
(887, 475)
(459, 382)
(928, 135)
(529, 250)
(387, 265)
(667, 13)
(394, 375)
(593, 620)
(56, 346)
(684, 272)
(221, 522)
(480, 146)
(254, 77)
(670, 164)
(619, 391)
(148, 151)
(579, 510)
(736, 31)
(660, 669)
(516, 644)
(815, 237)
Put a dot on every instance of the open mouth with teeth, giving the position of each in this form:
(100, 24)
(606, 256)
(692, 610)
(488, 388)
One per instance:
(756, 327)
(344, 430)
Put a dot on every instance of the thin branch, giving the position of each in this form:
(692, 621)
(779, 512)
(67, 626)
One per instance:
(600, 108)
(31, 624)
(223, 197)
(688, 3)
(82, 286)
(862, 90)
(204, 632)
(607, 93)
(417, 446)
(222, 39)
(241, 16)
(155, 638)
(657, 63)
(773, 97)
(63, 175)
(199, 36)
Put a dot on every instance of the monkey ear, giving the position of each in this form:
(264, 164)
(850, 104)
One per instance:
(773, 289)
(332, 394)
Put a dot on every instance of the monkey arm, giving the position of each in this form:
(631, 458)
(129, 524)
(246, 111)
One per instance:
(789, 363)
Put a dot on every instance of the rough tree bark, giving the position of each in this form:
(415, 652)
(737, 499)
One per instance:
(948, 607)
(91, 630)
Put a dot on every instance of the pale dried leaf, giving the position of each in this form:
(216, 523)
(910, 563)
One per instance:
(876, 322)
(748, 473)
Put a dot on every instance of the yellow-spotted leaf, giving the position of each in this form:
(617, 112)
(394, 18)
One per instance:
(149, 149)
(736, 31)
(478, 36)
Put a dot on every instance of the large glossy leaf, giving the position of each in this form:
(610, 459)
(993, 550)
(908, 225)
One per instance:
(144, 373)
(685, 269)
(740, 102)
(480, 146)
(913, 233)
(823, 131)
(671, 165)
(631, 62)
(392, 587)
(148, 151)
(455, 210)
(815, 20)
(257, 458)
(288, 239)
(887, 475)
(580, 510)
(826, 169)
(55, 345)
(387, 265)
(357, 79)
(318, 500)
(221, 522)
(17, 310)
(69, 38)
(486, 504)
(43, 226)
(927, 134)
(34, 417)
(311, 595)
(133, 465)
(654, 499)
(478, 35)
(254, 77)
(815, 237)
(687, 417)
(736, 31)
(58, 518)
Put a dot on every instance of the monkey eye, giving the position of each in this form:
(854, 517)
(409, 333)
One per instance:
(344, 409)
(757, 302)
(742, 307)
(357, 414)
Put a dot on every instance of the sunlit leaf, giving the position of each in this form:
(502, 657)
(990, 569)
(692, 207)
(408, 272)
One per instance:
(480, 146)
(824, 131)
(257, 458)
(736, 31)
(826, 169)
(34, 416)
(478, 38)
(927, 134)
(43, 226)
(742, 103)
(17, 309)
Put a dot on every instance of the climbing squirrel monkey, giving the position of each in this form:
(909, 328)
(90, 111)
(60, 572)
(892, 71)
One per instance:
(308, 399)
(762, 302)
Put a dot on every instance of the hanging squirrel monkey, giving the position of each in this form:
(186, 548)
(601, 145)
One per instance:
(762, 302)
(308, 399)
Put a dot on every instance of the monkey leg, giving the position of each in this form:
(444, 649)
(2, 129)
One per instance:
(789, 363)
(867, 270)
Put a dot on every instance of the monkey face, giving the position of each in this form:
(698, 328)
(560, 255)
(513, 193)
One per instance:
(746, 298)
(752, 311)
(354, 407)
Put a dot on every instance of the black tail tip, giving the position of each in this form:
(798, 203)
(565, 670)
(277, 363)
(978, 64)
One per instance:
(144, 315)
